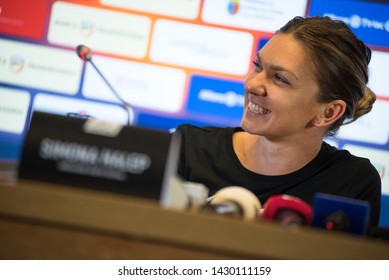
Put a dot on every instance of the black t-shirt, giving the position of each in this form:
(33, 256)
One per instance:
(207, 156)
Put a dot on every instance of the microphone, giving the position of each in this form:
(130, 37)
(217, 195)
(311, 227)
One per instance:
(337, 213)
(288, 210)
(234, 201)
(85, 54)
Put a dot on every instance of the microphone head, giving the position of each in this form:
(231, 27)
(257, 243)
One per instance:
(288, 210)
(84, 52)
(246, 202)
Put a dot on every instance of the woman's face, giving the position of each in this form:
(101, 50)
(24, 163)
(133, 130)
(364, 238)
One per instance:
(280, 91)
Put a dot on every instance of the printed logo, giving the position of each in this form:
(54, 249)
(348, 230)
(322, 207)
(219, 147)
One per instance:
(16, 64)
(233, 7)
(218, 97)
(87, 28)
(71, 23)
(355, 21)
(367, 19)
(229, 98)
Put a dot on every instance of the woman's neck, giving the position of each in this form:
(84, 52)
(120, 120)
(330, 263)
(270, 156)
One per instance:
(261, 155)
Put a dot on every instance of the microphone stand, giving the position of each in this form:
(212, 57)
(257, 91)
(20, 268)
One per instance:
(86, 55)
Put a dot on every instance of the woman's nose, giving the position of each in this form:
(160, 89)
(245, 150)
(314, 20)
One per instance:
(256, 84)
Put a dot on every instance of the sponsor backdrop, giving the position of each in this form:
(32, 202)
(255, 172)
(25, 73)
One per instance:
(175, 61)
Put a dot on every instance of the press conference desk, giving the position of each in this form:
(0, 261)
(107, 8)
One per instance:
(43, 221)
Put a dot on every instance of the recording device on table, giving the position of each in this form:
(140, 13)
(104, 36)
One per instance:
(234, 201)
(336, 213)
(329, 212)
(287, 210)
(239, 202)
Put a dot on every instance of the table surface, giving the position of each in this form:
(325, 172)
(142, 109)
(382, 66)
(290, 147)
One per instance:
(47, 221)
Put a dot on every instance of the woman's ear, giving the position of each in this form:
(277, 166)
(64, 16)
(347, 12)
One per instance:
(330, 114)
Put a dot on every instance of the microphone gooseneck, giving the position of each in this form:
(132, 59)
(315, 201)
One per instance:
(85, 54)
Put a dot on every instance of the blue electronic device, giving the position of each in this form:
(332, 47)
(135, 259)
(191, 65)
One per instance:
(339, 213)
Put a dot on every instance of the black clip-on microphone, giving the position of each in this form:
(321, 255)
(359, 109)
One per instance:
(85, 54)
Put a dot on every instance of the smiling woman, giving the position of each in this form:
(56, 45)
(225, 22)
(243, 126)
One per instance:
(306, 82)
(282, 90)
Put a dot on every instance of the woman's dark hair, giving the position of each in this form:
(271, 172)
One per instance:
(340, 62)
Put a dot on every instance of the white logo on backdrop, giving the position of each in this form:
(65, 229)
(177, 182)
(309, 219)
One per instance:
(356, 21)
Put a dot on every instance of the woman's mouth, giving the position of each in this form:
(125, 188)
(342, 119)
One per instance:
(254, 108)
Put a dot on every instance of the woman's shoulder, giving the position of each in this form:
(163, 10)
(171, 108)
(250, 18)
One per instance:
(333, 151)
(347, 160)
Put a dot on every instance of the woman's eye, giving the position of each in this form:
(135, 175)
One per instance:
(278, 78)
(257, 65)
